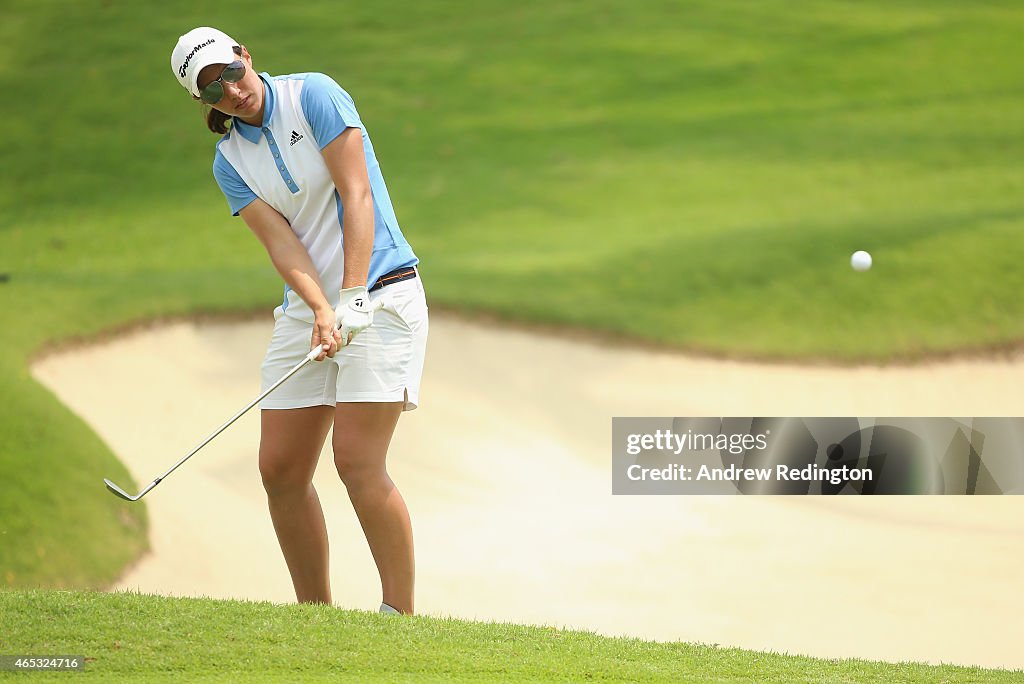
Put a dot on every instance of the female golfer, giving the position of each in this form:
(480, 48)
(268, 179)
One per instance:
(296, 163)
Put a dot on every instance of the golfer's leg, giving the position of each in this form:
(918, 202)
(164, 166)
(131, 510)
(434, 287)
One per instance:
(290, 445)
(362, 434)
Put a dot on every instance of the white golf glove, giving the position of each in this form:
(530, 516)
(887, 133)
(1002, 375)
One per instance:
(354, 313)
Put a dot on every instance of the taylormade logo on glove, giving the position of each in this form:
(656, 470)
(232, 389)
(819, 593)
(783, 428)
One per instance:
(355, 312)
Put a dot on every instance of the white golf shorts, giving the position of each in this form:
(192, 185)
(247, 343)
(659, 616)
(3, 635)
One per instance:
(383, 363)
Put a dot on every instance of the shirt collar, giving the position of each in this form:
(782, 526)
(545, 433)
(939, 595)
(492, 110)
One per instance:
(252, 133)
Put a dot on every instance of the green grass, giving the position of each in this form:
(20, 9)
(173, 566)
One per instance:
(696, 174)
(139, 638)
(693, 174)
(57, 526)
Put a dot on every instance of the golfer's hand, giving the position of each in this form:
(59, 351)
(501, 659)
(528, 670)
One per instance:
(325, 334)
(354, 312)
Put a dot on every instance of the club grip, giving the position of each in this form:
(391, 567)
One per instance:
(315, 351)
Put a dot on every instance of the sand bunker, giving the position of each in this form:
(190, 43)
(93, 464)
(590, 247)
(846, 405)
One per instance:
(506, 470)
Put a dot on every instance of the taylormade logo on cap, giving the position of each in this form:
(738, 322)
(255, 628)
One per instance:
(197, 49)
(188, 58)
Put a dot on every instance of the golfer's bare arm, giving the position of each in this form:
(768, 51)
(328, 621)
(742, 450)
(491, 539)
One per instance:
(288, 255)
(346, 163)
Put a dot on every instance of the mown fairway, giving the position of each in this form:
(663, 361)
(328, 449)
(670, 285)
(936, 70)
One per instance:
(695, 173)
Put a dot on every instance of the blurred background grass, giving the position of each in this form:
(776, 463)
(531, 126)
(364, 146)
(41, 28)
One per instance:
(694, 174)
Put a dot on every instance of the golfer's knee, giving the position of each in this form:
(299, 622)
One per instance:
(355, 469)
(281, 475)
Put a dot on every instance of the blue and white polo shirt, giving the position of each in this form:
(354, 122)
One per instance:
(280, 162)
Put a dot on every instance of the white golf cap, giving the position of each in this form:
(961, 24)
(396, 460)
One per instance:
(198, 48)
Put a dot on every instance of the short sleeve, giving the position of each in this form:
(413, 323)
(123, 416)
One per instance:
(328, 108)
(238, 194)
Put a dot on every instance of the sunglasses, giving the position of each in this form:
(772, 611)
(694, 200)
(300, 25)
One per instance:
(214, 91)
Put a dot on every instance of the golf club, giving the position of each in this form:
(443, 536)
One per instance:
(313, 353)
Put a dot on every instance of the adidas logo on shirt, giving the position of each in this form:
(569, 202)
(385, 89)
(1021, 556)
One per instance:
(296, 137)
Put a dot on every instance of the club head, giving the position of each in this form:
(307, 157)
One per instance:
(117, 491)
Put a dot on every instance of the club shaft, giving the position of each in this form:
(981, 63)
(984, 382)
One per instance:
(299, 366)
(311, 356)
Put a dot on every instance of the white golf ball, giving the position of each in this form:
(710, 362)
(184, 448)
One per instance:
(861, 260)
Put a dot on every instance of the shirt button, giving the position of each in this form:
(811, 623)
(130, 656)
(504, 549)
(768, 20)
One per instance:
(276, 155)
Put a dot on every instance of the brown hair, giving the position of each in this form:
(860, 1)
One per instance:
(216, 120)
